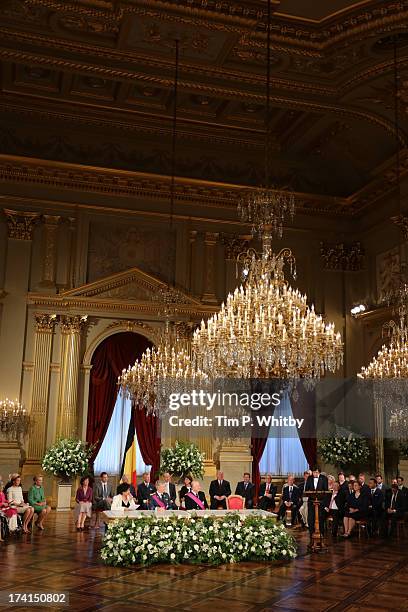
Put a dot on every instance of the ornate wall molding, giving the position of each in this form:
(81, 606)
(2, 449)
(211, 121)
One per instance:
(342, 256)
(234, 245)
(20, 224)
(401, 221)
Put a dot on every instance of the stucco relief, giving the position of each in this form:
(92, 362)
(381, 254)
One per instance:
(116, 247)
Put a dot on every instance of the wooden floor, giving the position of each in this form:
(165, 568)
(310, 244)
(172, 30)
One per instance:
(354, 575)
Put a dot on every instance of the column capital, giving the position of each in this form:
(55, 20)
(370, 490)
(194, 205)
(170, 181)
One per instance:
(210, 238)
(45, 322)
(72, 324)
(20, 224)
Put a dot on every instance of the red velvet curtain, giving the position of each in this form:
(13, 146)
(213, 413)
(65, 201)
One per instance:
(305, 408)
(111, 356)
(257, 449)
(148, 437)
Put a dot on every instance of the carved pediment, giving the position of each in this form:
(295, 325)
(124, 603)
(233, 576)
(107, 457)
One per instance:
(131, 285)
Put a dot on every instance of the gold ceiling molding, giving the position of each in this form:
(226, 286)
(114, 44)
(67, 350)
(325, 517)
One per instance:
(137, 184)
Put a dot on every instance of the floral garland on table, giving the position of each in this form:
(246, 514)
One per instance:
(184, 458)
(67, 457)
(192, 539)
(344, 450)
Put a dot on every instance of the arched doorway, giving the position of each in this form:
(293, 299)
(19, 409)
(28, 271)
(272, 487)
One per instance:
(111, 356)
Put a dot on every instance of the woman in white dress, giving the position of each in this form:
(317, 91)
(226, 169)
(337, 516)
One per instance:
(124, 498)
(16, 500)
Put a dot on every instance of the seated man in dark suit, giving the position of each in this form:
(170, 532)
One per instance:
(394, 508)
(246, 489)
(267, 494)
(126, 480)
(317, 482)
(195, 499)
(160, 500)
(144, 491)
(219, 491)
(170, 488)
(290, 499)
(102, 493)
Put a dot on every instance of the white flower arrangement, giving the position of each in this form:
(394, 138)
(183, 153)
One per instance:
(344, 450)
(67, 457)
(184, 458)
(195, 539)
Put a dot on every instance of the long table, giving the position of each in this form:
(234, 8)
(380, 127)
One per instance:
(114, 515)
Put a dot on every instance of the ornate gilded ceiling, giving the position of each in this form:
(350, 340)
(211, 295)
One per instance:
(90, 83)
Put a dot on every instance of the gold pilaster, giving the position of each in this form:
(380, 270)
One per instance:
(67, 418)
(210, 242)
(41, 377)
(378, 434)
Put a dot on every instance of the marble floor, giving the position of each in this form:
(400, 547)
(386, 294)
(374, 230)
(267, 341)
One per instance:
(354, 575)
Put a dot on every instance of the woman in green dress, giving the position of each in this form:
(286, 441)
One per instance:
(36, 499)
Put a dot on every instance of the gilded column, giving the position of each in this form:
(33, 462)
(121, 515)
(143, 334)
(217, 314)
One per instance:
(210, 242)
(40, 392)
(67, 418)
(378, 434)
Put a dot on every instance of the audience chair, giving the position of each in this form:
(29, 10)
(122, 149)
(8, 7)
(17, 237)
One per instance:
(362, 526)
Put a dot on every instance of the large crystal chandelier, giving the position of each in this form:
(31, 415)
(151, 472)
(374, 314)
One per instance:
(14, 420)
(266, 329)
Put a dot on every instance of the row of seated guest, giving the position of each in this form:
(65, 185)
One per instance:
(347, 501)
(13, 506)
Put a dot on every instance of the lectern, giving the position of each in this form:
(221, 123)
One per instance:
(317, 543)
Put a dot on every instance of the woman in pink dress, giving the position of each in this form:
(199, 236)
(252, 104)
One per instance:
(84, 503)
(7, 511)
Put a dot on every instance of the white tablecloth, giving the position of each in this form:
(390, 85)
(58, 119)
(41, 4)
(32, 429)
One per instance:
(110, 515)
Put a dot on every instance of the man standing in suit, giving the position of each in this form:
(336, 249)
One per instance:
(317, 482)
(290, 499)
(376, 506)
(246, 489)
(394, 507)
(102, 493)
(302, 499)
(219, 491)
(144, 491)
(380, 484)
(195, 499)
(170, 488)
(336, 507)
(267, 493)
(160, 500)
(365, 489)
(403, 489)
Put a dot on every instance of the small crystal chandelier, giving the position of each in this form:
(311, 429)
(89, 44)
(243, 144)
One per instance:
(14, 420)
(162, 370)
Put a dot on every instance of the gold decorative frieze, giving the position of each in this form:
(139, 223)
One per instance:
(20, 224)
(342, 256)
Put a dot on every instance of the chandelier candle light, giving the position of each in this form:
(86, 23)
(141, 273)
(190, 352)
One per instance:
(14, 420)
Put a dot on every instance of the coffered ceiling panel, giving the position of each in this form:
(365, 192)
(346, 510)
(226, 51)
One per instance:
(91, 82)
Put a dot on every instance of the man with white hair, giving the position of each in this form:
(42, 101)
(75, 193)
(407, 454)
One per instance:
(195, 499)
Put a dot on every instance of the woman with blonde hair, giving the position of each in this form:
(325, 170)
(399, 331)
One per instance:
(16, 500)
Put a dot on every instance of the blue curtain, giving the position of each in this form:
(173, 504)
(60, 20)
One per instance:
(283, 452)
(110, 456)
